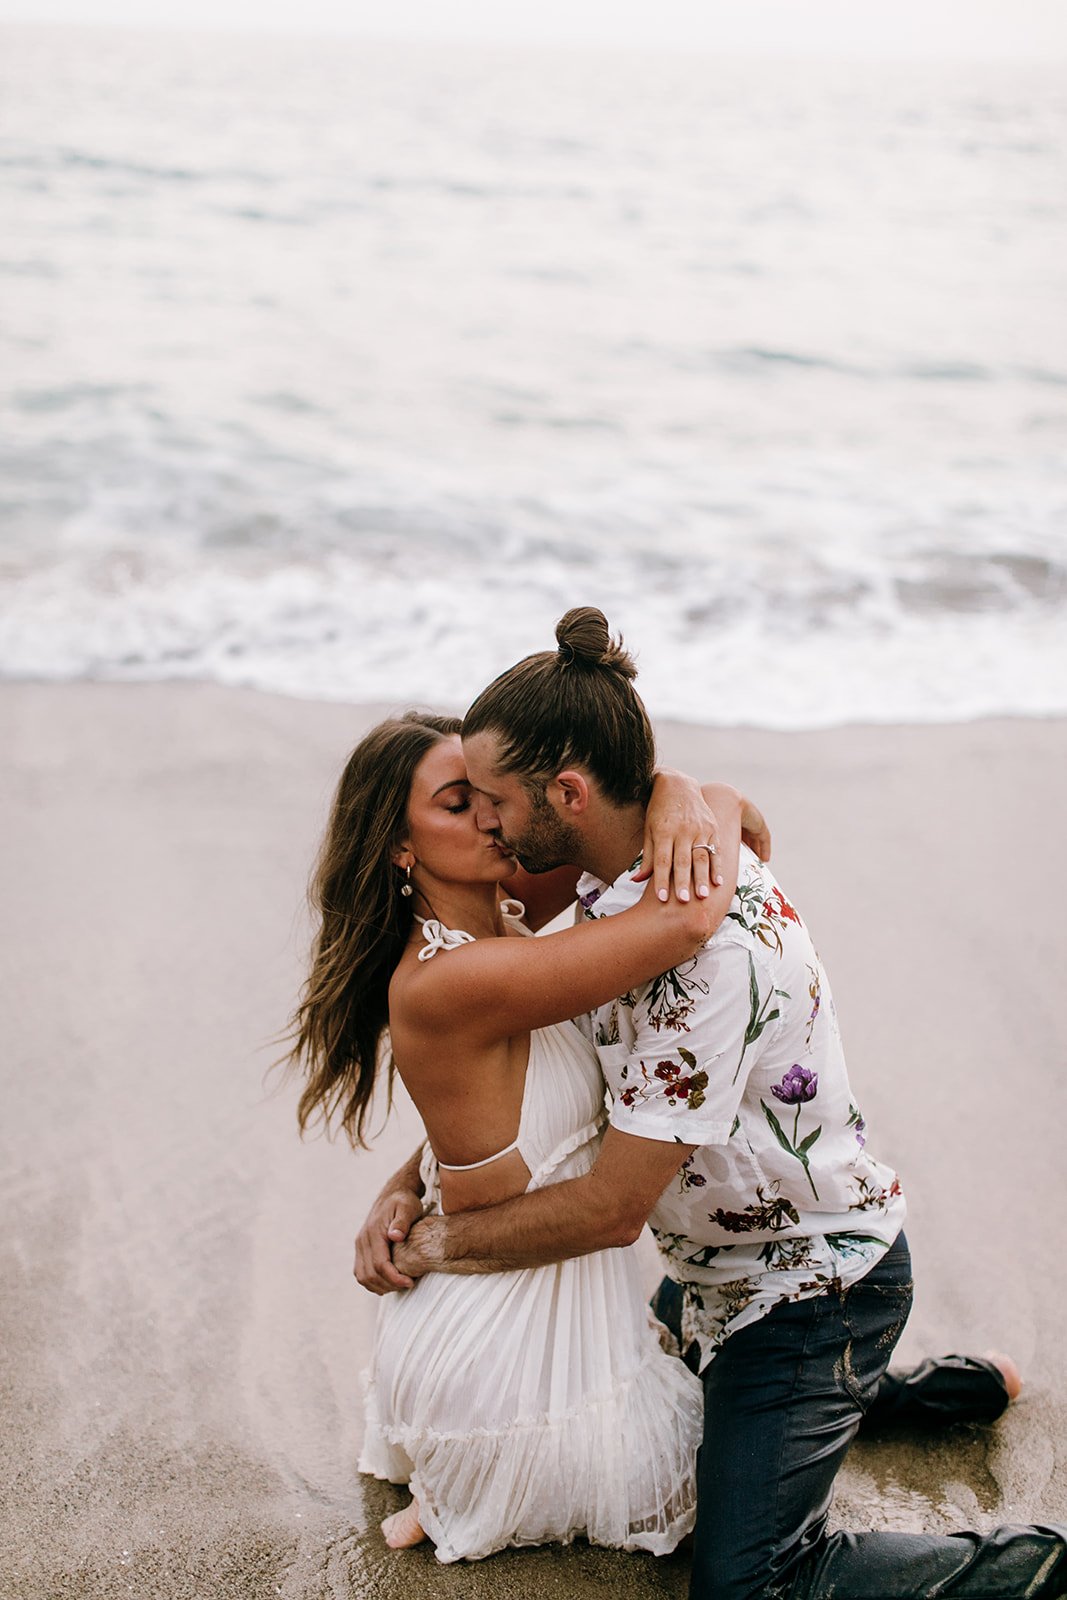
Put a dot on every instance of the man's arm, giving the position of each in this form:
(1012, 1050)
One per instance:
(605, 1208)
(697, 1038)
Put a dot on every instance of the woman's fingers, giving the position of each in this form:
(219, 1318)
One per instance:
(705, 872)
(672, 864)
(407, 1209)
(679, 825)
(689, 866)
(387, 1224)
(684, 862)
(374, 1268)
(391, 1278)
(657, 857)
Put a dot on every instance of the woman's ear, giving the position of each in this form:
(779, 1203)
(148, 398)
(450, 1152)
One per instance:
(572, 792)
(403, 857)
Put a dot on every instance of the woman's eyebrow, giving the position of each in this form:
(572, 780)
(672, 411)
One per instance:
(456, 783)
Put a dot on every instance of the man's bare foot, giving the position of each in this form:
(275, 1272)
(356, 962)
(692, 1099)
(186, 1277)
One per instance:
(403, 1528)
(1013, 1378)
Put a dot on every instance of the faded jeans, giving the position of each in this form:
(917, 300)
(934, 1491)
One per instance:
(784, 1398)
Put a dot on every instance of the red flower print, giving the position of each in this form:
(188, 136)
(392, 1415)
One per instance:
(782, 908)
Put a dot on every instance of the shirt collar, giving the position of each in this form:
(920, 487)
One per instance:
(609, 897)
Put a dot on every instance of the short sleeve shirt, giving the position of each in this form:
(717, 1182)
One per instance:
(738, 1052)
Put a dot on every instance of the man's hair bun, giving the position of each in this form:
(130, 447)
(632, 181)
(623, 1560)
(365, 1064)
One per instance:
(584, 640)
(575, 706)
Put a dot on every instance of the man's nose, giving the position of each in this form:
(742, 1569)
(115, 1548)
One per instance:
(485, 815)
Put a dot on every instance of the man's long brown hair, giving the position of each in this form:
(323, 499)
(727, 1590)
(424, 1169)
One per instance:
(337, 1028)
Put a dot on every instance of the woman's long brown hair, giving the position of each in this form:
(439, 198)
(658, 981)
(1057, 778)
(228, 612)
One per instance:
(337, 1029)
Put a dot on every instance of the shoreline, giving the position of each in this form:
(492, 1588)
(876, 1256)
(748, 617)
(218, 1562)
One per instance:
(373, 707)
(182, 1338)
(365, 711)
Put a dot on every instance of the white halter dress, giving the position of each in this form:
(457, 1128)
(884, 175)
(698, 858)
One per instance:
(533, 1406)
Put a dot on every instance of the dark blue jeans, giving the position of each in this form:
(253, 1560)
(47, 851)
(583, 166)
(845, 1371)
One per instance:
(784, 1398)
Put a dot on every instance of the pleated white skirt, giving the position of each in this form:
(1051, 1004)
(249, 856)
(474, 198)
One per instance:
(530, 1407)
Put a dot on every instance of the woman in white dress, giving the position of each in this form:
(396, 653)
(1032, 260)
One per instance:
(529, 1406)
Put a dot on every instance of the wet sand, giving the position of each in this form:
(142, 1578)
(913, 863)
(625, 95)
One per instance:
(180, 1337)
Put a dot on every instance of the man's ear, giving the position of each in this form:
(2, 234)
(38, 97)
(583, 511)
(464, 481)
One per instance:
(572, 792)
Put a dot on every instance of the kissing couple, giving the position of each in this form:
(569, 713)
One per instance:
(519, 1383)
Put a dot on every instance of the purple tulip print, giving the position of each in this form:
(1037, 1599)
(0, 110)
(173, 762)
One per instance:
(798, 1086)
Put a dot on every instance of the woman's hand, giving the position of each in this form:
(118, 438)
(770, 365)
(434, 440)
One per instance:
(754, 830)
(681, 838)
(388, 1222)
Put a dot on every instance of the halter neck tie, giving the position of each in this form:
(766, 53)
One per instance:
(438, 937)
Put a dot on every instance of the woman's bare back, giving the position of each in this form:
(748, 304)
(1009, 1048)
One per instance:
(468, 1093)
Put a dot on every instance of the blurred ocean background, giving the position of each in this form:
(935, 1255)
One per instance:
(342, 369)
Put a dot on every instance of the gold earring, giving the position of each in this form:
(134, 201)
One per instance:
(405, 888)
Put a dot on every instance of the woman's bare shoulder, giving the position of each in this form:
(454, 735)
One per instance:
(431, 998)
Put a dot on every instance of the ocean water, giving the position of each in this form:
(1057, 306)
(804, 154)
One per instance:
(342, 369)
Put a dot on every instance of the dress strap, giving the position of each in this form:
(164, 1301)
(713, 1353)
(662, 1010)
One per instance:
(446, 1166)
(438, 937)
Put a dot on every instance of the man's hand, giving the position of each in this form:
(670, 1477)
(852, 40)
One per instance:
(387, 1226)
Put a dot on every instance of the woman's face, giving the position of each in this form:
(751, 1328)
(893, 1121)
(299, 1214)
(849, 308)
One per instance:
(443, 833)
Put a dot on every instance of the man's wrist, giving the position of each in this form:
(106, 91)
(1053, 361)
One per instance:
(424, 1248)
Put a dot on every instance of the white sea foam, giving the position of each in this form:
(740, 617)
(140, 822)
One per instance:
(421, 632)
(342, 371)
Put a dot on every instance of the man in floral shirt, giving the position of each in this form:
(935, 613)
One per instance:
(734, 1133)
(738, 1053)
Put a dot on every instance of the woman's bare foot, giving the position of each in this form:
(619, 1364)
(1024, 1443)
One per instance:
(1013, 1378)
(403, 1528)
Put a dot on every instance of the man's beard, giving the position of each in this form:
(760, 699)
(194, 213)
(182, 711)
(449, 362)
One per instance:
(548, 842)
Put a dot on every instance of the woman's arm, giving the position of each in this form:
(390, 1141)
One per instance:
(754, 830)
(388, 1221)
(495, 988)
(681, 839)
(680, 818)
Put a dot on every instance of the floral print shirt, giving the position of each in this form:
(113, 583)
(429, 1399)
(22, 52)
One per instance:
(738, 1052)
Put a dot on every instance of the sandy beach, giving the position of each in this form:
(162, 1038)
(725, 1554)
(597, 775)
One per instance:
(180, 1335)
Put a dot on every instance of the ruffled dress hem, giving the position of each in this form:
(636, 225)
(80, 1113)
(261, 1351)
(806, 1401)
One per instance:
(533, 1452)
